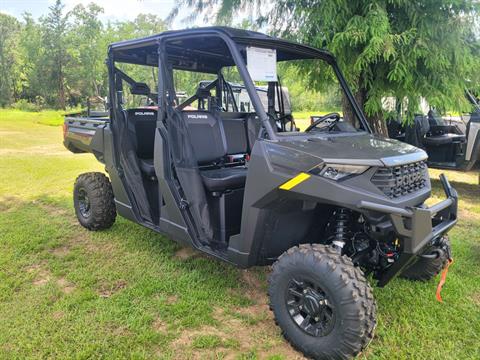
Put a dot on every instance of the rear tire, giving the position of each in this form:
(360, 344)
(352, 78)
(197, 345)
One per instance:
(426, 268)
(93, 201)
(322, 302)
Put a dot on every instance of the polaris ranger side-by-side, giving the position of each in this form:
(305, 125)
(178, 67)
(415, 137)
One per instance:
(326, 206)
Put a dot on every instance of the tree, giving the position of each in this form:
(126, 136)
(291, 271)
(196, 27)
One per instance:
(9, 29)
(385, 48)
(54, 30)
(86, 53)
(30, 57)
(59, 60)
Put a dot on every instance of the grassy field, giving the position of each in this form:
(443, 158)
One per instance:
(130, 293)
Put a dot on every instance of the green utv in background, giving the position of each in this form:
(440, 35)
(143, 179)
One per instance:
(326, 206)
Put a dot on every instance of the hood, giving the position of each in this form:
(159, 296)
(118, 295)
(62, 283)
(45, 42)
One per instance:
(360, 148)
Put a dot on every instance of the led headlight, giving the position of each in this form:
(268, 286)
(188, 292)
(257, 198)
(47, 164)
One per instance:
(340, 171)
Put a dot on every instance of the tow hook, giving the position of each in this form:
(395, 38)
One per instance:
(435, 254)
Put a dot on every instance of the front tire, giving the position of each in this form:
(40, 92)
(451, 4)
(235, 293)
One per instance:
(425, 269)
(322, 302)
(93, 201)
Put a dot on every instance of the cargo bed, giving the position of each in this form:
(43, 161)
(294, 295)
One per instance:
(80, 132)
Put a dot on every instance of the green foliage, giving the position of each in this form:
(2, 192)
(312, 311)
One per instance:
(24, 105)
(385, 47)
(58, 61)
(9, 28)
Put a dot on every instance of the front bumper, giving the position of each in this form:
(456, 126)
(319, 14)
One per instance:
(417, 227)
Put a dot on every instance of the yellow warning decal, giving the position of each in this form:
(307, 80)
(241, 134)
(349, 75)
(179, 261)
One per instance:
(290, 184)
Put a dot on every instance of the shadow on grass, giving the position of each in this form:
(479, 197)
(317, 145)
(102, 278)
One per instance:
(470, 191)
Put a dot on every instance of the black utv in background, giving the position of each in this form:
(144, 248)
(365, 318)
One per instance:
(449, 144)
(327, 206)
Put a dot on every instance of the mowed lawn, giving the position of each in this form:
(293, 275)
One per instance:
(128, 292)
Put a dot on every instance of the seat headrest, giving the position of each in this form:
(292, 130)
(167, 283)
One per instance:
(202, 93)
(144, 113)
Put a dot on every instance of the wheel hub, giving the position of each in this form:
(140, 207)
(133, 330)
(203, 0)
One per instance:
(309, 308)
(311, 302)
(83, 203)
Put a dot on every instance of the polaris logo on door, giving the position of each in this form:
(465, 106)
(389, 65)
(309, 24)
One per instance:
(144, 113)
(197, 116)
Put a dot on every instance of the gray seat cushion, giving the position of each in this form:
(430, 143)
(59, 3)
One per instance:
(225, 178)
(444, 139)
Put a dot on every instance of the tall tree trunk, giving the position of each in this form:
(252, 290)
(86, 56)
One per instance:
(61, 88)
(376, 121)
(348, 113)
(378, 124)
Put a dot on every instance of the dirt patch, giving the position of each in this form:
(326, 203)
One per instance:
(61, 251)
(121, 331)
(106, 291)
(159, 325)
(51, 209)
(186, 253)
(57, 315)
(465, 213)
(81, 239)
(254, 286)
(116, 329)
(476, 298)
(8, 203)
(263, 336)
(171, 299)
(42, 275)
(97, 247)
(186, 337)
(66, 286)
(257, 311)
(57, 212)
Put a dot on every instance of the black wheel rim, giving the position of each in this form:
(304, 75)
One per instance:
(83, 203)
(310, 308)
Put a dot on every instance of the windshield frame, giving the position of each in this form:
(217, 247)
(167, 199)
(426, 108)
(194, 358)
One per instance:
(236, 46)
(304, 52)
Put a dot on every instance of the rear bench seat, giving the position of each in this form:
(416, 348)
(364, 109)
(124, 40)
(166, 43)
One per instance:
(212, 139)
(141, 124)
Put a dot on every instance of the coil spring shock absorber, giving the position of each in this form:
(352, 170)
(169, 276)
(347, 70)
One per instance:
(339, 228)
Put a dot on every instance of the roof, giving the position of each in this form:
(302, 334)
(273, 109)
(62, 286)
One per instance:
(199, 44)
(153, 39)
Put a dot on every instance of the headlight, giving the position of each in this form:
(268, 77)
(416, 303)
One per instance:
(339, 171)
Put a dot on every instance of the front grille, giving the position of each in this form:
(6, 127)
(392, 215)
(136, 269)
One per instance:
(401, 180)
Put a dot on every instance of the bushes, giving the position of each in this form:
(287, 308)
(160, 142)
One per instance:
(25, 105)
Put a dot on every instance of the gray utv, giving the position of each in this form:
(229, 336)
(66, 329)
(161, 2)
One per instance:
(327, 206)
(450, 144)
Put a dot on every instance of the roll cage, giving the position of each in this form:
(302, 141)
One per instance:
(187, 50)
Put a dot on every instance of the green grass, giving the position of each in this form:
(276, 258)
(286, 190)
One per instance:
(130, 293)
(45, 117)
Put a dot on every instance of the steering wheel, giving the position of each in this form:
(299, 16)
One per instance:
(280, 120)
(333, 115)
